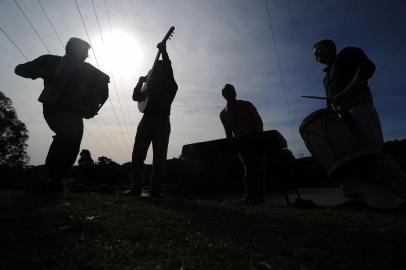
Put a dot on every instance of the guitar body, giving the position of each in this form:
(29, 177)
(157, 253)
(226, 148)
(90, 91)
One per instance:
(142, 105)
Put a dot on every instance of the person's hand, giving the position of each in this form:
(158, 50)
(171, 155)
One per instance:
(142, 79)
(334, 107)
(161, 46)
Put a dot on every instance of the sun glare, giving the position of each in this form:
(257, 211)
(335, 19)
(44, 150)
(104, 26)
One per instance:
(121, 52)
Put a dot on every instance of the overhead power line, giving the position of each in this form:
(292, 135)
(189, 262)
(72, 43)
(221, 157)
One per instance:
(107, 138)
(111, 33)
(97, 19)
(92, 137)
(87, 33)
(111, 134)
(111, 71)
(33, 108)
(32, 26)
(347, 12)
(277, 58)
(14, 44)
(50, 22)
(97, 63)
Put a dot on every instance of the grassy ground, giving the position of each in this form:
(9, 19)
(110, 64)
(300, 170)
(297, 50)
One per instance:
(94, 231)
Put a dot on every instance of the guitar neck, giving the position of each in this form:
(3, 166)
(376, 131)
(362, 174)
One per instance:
(167, 36)
(156, 59)
(143, 104)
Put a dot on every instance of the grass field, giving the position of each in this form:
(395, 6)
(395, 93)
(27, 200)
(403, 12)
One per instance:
(95, 231)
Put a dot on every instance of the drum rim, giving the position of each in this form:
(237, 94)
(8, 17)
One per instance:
(314, 114)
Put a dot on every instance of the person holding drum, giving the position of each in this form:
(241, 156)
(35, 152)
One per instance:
(65, 121)
(240, 117)
(154, 126)
(346, 83)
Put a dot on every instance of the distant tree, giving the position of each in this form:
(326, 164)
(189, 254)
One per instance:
(104, 161)
(13, 136)
(107, 171)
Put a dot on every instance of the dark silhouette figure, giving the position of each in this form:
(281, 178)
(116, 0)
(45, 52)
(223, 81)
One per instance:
(154, 126)
(86, 168)
(60, 75)
(85, 158)
(347, 90)
(239, 118)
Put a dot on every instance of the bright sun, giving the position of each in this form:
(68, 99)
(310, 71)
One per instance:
(119, 51)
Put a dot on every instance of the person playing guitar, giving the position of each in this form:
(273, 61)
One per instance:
(159, 89)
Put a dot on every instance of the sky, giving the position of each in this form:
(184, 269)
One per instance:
(267, 56)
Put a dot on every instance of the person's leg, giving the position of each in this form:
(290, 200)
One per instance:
(160, 143)
(52, 117)
(365, 121)
(68, 128)
(140, 149)
(261, 175)
(388, 173)
(75, 135)
(352, 188)
(244, 165)
(253, 177)
(384, 169)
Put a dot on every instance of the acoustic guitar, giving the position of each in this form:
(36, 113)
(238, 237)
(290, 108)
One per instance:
(142, 105)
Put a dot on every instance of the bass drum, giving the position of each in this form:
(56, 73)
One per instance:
(332, 141)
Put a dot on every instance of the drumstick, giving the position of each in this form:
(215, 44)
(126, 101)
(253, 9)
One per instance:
(315, 97)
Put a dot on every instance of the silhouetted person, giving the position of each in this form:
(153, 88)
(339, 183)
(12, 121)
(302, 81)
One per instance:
(347, 90)
(62, 119)
(154, 126)
(240, 117)
(85, 158)
(86, 165)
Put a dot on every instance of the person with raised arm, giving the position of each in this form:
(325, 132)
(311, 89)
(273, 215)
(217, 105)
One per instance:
(154, 127)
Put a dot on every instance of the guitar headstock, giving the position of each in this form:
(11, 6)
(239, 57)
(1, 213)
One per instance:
(169, 35)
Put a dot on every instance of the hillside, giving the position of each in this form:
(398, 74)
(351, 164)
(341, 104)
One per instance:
(93, 231)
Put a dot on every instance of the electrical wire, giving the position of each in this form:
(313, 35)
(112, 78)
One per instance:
(32, 26)
(111, 33)
(87, 33)
(97, 63)
(50, 22)
(14, 44)
(277, 59)
(111, 71)
(347, 12)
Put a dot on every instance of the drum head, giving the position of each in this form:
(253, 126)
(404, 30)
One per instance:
(313, 116)
(331, 140)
